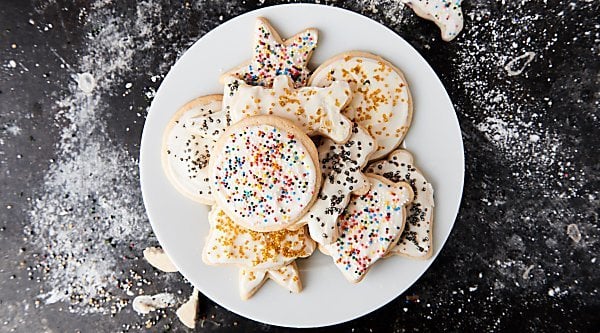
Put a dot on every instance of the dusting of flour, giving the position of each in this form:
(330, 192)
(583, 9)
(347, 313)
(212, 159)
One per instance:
(90, 211)
(517, 123)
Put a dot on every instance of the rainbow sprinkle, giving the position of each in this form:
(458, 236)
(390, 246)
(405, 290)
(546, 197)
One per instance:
(370, 225)
(271, 58)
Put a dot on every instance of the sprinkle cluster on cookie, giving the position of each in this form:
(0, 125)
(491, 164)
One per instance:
(230, 243)
(381, 101)
(342, 175)
(316, 110)
(370, 226)
(416, 239)
(272, 56)
(187, 147)
(266, 174)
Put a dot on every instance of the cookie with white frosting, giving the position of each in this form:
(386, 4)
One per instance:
(315, 110)
(266, 174)
(446, 14)
(416, 240)
(272, 56)
(341, 164)
(381, 100)
(369, 227)
(228, 243)
(250, 280)
(187, 143)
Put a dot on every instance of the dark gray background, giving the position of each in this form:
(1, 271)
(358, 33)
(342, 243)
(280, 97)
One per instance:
(523, 252)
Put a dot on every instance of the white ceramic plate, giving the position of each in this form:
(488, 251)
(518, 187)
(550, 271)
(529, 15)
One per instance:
(181, 225)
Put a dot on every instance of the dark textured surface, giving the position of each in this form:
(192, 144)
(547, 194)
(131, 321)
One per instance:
(514, 259)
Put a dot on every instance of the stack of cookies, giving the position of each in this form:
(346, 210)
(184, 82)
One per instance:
(291, 160)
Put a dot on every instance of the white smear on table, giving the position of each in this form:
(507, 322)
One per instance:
(85, 82)
(13, 129)
(391, 10)
(512, 128)
(517, 65)
(506, 119)
(145, 304)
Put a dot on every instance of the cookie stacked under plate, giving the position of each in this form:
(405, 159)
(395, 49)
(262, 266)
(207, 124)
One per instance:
(281, 157)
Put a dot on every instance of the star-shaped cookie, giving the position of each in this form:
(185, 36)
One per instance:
(251, 280)
(272, 56)
(231, 244)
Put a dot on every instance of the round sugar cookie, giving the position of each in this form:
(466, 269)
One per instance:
(381, 101)
(186, 150)
(265, 173)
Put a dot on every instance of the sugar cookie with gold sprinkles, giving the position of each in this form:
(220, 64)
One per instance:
(381, 100)
(228, 243)
(315, 110)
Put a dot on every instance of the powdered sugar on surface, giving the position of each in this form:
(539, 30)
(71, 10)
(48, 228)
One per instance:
(391, 12)
(90, 216)
(528, 190)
